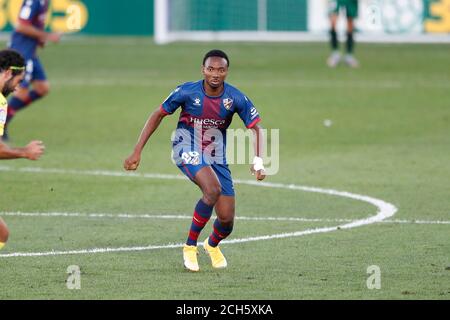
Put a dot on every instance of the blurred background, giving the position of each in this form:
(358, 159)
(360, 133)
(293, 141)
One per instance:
(168, 20)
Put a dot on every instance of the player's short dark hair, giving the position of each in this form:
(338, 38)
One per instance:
(216, 53)
(11, 58)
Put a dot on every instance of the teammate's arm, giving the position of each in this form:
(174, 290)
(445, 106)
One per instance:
(250, 116)
(32, 151)
(132, 162)
(257, 166)
(33, 32)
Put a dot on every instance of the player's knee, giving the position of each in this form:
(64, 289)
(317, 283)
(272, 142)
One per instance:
(43, 89)
(212, 194)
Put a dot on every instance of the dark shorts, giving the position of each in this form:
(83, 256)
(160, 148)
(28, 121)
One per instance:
(191, 166)
(350, 6)
(34, 71)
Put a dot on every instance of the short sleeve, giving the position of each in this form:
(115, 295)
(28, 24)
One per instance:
(173, 101)
(247, 112)
(29, 10)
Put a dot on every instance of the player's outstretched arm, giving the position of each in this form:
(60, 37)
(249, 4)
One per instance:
(32, 151)
(258, 166)
(132, 162)
(33, 32)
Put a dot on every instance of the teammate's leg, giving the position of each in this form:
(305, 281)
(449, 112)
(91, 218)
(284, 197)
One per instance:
(41, 88)
(210, 186)
(350, 40)
(225, 211)
(335, 56)
(352, 13)
(208, 182)
(223, 225)
(23, 97)
(333, 33)
(4, 233)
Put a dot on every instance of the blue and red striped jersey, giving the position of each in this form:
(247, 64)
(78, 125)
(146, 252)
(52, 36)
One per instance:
(197, 108)
(207, 118)
(32, 12)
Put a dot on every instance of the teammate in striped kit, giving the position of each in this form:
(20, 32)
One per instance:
(28, 35)
(207, 108)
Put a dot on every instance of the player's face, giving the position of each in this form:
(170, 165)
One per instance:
(12, 83)
(215, 71)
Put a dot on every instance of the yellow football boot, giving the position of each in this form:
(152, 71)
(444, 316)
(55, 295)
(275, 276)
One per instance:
(217, 259)
(190, 258)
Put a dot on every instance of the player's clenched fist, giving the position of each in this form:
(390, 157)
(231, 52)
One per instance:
(258, 169)
(34, 150)
(132, 162)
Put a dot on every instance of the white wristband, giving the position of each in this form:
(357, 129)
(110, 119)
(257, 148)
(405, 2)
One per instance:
(258, 163)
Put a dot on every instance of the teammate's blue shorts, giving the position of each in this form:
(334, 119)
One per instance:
(222, 171)
(33, 71)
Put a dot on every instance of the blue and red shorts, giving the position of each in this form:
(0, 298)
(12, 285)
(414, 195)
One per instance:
(193, 163)
(34, 70)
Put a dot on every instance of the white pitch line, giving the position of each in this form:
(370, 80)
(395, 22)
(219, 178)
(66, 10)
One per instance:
(105, 173)
(90, 251)
(418, 221)
(186, 217)
(385, 210)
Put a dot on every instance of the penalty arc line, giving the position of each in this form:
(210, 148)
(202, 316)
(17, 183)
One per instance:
(385, 210)
(178, 216)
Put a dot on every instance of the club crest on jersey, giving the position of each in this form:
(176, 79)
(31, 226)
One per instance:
(227, 103)
(197, 102)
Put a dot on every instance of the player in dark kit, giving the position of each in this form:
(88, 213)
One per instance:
(29, 34)
(351, 11)
(207, 108)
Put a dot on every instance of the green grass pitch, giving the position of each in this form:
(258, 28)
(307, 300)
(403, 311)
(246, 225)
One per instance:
(389, 139)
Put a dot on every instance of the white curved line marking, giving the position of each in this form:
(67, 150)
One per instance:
(175, 216)
(385, 210)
